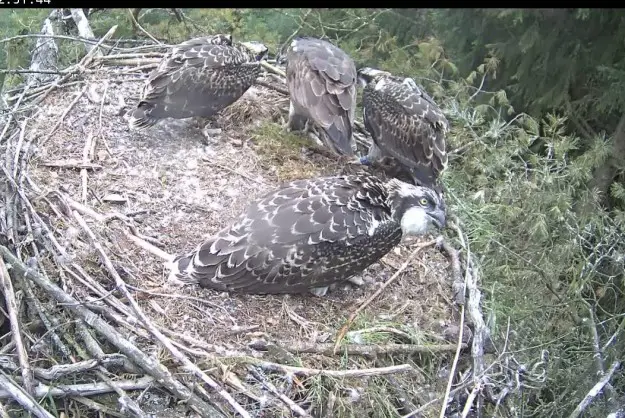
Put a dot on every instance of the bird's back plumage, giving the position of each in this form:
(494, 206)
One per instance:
(309, 234)
(406, 124)
(321, 79)
(199, 77)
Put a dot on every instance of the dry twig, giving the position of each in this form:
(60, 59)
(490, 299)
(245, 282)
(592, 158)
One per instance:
(596, 389)
(86, 159)
(154, 368)
(143, 30)
(380, 371)
(84, 389)
(148, 324)
(11, 389)
(75, 164)
(366, 303)
(452, 372)
(69, 108)
(11, 304)
(287, 401)
(328, 349)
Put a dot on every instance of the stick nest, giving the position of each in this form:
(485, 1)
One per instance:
(81, 186)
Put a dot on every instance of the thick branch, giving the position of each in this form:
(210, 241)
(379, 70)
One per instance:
(11, 304)
(84, 29)
(14, 391)
(45, 54)
(86, 389)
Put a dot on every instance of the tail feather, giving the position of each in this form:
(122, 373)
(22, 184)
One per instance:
(341, 142)
(178, 269)
(140, 117)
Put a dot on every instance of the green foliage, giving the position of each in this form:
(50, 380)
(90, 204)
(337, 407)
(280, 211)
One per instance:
(564, 60)
(542, 260)
(17, 53)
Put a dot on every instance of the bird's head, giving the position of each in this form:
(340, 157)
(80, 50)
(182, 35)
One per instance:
(256, 49)
(416, 208)
(368, 75)
(221, 39)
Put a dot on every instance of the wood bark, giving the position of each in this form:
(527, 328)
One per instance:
(46, 52)
(84, 29)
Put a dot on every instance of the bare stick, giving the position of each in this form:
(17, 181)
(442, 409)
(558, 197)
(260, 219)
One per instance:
(280, 368)
(234, 171)
(75, 164)
(44, 36)
(267, 384)
(480, 331)
(149, 247)
(61, 370)
(89, 56)
(357, 349)
(279, 89)
(12, 390)
(132, 61)
(15, 107)
(354, 314)
(149, 364)
(54, 336)
(143, 30)
(596, 345)
(107, 411)
(126, 56)
(124, 400)
(592, 394)
(11, 304)
(272, 69)
(83, 389)
(467, 406)
(452, 372)
(121, 285)
(18, 147)
(85, 158)
(48, 233)
(458, 283)
(106, 88)
(93, 348)
(3, 412)
(58, 123)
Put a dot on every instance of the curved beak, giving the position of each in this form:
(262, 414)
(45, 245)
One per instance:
(438, 217)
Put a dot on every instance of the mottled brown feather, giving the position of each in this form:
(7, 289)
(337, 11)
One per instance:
(199, 77)
(310, 233)
(321, 79)
(406, 124)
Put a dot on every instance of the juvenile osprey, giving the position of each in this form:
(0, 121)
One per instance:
(321, 79)
(198, 78)
(405, 124)
(310, 234)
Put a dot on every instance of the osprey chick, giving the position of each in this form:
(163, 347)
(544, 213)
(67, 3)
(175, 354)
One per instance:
(321, 79)
(405, 124)
(310, 234)
(198, 78)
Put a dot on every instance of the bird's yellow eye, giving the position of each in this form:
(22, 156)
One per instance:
(423, 201)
